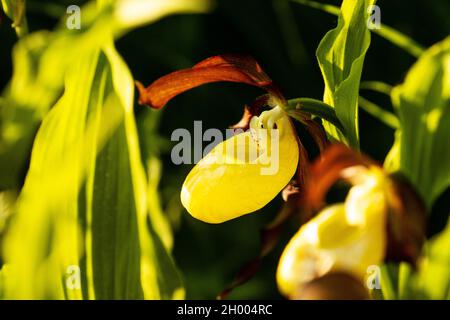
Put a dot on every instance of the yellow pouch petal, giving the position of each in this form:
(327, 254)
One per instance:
(347, 237)
(242, 174)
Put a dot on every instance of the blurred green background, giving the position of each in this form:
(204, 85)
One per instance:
(283, 37)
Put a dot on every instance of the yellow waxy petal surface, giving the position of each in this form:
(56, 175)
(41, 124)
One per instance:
(347, 237)
(233, 179)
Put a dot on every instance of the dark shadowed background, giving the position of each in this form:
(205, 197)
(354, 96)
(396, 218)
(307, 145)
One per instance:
(283, 37)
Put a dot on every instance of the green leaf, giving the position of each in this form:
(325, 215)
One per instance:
(120, 255)
(341, 56)
(15, 10)
(42, 243)
(41, 59)
(159, 276)
(433, 279)
(422, 103)
(387, 32)
(7, 203)
(112, 241)
(40, 62)
(82, 226)
(133, 13)
(387, 282)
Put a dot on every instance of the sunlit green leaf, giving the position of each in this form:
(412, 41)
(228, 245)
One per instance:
(15, 10)
(341, 56)
(387, 32)
(159, 276)
(7, 203)
(43, 242)
(82, 226)
(132, 13)
(121, 254)
(41, 60)
(434, 275)
(422, 103)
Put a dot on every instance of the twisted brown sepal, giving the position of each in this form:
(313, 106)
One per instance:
(302, 166)
(406, 227)
(251, 110)
(326, 171)
(226, 67)
(317, 132)
(314, 128)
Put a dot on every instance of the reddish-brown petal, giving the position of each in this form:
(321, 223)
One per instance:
(227, 67)
(251, 110)
(406, 225)
(327, 170)
(317, 133)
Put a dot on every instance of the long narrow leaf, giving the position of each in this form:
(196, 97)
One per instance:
(384, 116)
(423, 105)
(341, 56)
(392, 35)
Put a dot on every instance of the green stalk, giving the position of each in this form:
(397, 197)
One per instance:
(396, 37)
(377, 86)
(299, 106)
(384, 116)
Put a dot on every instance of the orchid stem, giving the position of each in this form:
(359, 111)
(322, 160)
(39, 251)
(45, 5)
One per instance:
(376, 111)
(313, 107)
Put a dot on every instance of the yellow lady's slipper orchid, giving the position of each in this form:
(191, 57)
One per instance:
(346, 237)
(245, 172)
